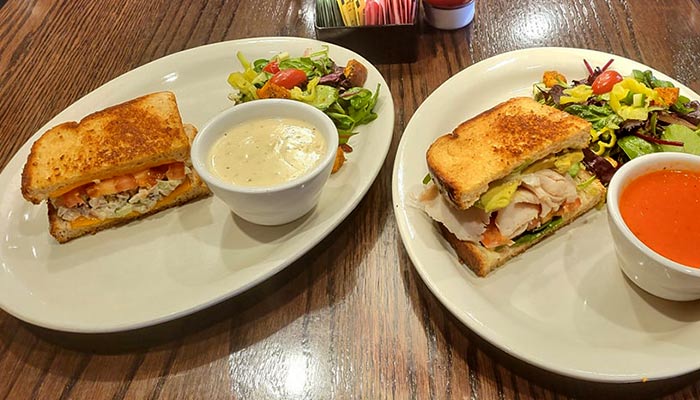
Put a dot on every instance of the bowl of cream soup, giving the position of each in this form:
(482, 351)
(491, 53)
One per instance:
(268, 160)
(653, 204)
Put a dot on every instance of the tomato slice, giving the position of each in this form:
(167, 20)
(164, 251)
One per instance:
(289, 78)
(102, 188)
(118, 184)
(272, 67)
(146, 178)
(176, 171)
(605, 81)
(72, 199)
(492, 237)
(125, 182)
(111, 186)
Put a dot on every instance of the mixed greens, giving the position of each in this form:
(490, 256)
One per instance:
(630, 115)
(314, 79)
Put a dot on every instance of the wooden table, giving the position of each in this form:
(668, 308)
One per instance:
(351, 319)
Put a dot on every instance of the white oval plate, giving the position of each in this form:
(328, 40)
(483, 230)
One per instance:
(563, 305)
(184, 259)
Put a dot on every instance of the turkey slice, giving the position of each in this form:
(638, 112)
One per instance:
(551, 188)
(515, 218)
(467, 225)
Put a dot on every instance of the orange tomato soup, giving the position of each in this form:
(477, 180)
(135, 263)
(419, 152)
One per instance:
(662, 209)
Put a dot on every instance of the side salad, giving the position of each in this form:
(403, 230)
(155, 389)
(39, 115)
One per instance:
(315, 79)
(630, 115)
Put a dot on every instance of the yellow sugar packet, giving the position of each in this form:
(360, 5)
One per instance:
(348, 11)
(360, 12)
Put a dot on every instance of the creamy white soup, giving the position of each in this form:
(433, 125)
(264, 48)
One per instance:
(267, 151)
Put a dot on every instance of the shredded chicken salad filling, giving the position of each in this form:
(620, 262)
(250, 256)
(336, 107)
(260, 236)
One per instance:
(140, 200)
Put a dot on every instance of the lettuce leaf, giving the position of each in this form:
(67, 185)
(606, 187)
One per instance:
(543, 230)
(635, 146)
(648, 79)
(599, 116)
(680, 133)
(352, 108)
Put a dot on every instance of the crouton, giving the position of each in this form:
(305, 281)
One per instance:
(339, 160)
(273, 91)
(551, 78)
(355, 72)
(669, 95)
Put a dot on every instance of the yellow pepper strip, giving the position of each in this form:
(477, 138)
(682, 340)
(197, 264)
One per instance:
(576, 94)
(238, 81)
(586, 183)
(309, 95)
(612, 161)
(603, 146)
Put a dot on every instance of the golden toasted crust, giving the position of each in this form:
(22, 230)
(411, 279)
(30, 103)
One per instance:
(482, 260)
(65, 231)
(125, 138)
(496, 142)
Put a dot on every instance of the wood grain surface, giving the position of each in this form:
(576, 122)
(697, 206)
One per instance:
(351, 319)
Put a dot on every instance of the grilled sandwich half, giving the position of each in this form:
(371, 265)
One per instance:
(114, 166)
(506, 179)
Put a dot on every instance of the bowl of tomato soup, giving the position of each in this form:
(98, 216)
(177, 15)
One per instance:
(653, 205)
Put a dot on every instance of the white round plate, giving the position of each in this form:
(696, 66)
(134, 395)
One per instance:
(563, 305)
(184, 259)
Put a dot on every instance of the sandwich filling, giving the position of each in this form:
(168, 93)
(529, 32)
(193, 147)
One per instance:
(122, 195)
(518, 207)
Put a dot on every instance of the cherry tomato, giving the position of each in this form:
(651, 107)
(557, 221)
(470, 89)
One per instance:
(289, 78)
(605, 81)
(272, 67)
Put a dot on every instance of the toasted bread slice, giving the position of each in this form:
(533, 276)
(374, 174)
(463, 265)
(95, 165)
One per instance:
(125, 138)
(192, 189)
(482, 260)
(498, 141)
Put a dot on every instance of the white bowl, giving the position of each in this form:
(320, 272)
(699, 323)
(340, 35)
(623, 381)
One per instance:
(271, 205)
(649, 270)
